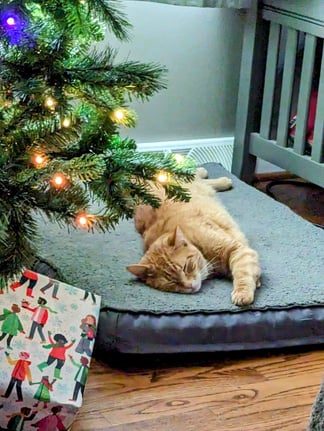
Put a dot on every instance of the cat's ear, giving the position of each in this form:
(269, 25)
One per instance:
(141, 271)
(177, 238)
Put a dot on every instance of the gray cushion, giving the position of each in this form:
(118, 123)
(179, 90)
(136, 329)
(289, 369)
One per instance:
(288, 309)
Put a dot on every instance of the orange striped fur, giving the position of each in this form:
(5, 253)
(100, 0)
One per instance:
(188, 242)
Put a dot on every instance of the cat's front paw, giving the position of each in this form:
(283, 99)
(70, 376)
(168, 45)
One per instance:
(242, 297)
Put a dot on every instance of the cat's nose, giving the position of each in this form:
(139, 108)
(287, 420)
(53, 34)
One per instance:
(194, 286)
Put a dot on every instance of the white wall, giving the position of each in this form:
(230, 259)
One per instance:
(201, 47)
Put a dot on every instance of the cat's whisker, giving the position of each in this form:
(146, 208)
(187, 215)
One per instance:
(206, 269)
(209, 263)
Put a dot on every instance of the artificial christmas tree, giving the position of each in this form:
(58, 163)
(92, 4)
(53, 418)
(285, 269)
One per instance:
(61, 105)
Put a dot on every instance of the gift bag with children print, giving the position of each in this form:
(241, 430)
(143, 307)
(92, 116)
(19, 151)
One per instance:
(47, 334)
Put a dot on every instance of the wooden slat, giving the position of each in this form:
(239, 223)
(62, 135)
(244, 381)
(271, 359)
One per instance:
(250, 91)
(308, 24)
(310, 9)
(287, 86)
(287, 159)
(304, 93)
(318, 143)
(270, 80)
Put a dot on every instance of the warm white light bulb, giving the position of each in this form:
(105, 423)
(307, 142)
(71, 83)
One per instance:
(59, 180)
(66, 122)
(39, 159)
(162, 177)
(178, 158)
(119, 114)
(82, 220)
(50, 102)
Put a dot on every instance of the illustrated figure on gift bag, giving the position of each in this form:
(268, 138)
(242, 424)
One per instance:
(17, 420)
(43, 391)
(54, 284)
(52, 422)
(86, 294)
(20, 373)
(57, 354)
(3, 286)
(31, 277)
(81, 376)
(11, 324)
(39, 317)
(88, 327)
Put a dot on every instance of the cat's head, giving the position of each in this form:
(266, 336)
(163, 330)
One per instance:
(172, 264)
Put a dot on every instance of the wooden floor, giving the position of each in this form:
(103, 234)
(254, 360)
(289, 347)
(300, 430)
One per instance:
(260, 391)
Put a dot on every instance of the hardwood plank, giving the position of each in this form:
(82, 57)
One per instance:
(91, 420)
(253, 393)
(306, 200)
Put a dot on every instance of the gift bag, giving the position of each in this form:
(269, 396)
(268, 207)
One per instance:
(47, 334)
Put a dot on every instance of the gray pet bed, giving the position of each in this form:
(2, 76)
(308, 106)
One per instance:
(288, 309)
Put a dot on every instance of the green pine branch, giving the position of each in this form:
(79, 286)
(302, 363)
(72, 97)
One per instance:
(51, 58)
(109, 11)
(98, 73)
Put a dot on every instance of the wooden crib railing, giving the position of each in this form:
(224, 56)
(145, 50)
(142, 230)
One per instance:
(282, 72)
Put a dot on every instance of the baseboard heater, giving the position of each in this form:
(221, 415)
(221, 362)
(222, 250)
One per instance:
(219, 150)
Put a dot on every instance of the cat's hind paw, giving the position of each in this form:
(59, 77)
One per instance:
(224, 183)
(221, 184)
(201, 173)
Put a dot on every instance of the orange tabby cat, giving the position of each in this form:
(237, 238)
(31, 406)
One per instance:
(188, 242)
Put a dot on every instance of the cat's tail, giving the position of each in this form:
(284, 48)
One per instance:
(246, 272)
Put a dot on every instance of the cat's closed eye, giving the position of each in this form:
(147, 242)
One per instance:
(188, 267)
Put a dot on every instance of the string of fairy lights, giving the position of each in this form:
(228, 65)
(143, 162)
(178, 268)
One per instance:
(13, 24)
(60, 180)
